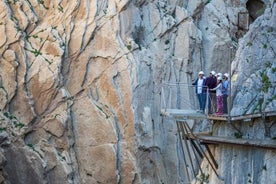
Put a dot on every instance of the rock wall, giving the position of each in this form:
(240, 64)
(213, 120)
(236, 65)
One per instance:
(82, 80)
(241, 163)
(254, 68)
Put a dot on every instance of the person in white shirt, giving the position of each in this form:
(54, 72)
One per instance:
(200, 90)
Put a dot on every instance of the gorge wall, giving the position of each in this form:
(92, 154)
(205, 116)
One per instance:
(81, 82)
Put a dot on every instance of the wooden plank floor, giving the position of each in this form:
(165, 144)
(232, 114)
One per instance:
(180, 114)
(262, 143)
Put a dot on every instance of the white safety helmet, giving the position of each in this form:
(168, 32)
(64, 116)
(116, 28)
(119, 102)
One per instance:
(201, 73)
(213, 72)
(226, 75)
(219, 74)
(219, 78)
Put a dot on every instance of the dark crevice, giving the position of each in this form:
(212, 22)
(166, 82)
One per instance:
(73, 150)
(118, 131)
(255, 9)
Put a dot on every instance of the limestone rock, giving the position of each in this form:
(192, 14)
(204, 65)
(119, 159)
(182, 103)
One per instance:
(253, 72)
(80, 84)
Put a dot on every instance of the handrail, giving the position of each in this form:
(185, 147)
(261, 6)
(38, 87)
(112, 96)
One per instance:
(181, 96)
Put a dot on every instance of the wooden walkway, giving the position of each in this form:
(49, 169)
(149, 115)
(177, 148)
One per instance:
(196, 145)
(183, 114)
(261, 143)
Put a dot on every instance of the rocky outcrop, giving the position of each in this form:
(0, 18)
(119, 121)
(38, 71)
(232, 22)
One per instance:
(82, 80)
(25, 162)
(254, 68)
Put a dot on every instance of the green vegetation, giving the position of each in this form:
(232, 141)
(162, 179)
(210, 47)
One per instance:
(62, 157)
(268, 65)
(60, 8)
(129, 47)
(249, 44)
(43, 4)
(238, 135)
(35, 52)
(47, 60)
(56, 115)
(270, 30)
(9, 115)
(18, 124)
(14, 1)
(269, 100)
(32, 147)
(265, 46)
(106, 115)
(203, 178)
(259, 105)
(266, 84)
(260, 11)
(2, 129)
(14, 120)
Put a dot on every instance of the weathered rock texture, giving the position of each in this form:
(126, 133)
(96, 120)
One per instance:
(81, 82)
(254, 68)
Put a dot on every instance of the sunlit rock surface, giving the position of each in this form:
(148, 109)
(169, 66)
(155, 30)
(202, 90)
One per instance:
(81, 82)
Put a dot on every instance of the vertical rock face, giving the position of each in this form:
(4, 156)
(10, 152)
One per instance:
(254, 68)
(80, 83)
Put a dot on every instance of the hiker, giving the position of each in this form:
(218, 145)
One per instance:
(200, 90)
(218, 90)
(211, 82)
(225, 92)
(219, 75)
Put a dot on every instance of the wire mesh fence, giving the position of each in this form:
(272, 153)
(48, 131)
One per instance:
(184, 96)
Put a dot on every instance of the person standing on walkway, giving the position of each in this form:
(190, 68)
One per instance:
(218, 90)
(211, 83)
(200, 90)
(225, 92)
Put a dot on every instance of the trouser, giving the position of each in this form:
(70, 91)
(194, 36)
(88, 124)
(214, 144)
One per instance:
(224, 100)
(202, 100)
(212, 104)
(219, 104)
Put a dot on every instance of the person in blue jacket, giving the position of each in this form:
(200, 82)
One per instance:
(200, 90)
(225, 92)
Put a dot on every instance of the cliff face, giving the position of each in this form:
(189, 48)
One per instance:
(254, 68)
(80, 82)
